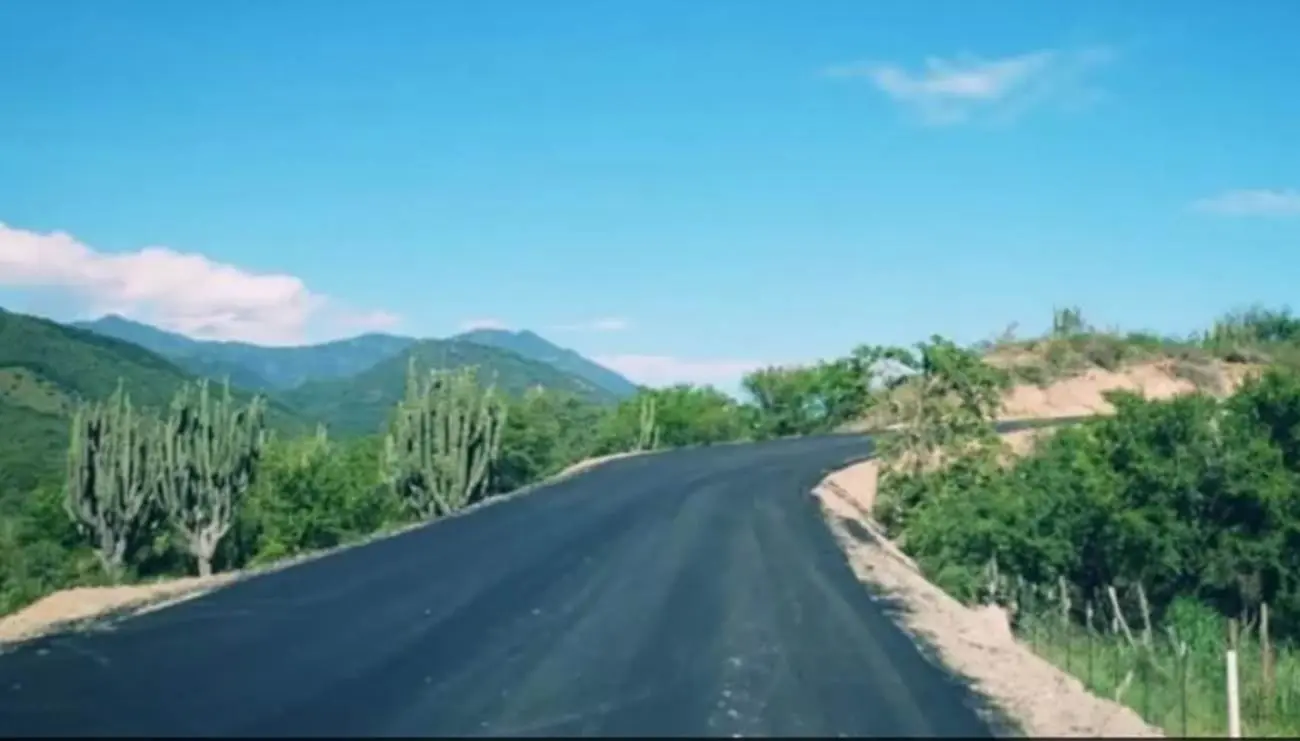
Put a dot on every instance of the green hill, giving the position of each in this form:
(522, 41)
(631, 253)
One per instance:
(256, 366)
(45, 367)
(361, 404)
(535, 347)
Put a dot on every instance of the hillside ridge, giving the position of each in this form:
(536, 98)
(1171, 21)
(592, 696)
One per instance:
(281, 368)
(360, 404)
(47, 367)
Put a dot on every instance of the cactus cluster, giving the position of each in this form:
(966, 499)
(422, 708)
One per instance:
(444, 438)
(111, 474)
(648, 430)
(209, 450)
(192, 466)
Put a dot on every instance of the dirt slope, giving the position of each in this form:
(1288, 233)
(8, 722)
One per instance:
(1083, 395)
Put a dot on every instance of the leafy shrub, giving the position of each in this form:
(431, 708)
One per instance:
(1192, 498)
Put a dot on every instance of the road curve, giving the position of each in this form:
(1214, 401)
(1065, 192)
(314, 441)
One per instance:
(696, 592)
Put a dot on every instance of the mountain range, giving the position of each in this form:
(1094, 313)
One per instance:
(282, 368)
(350, 385)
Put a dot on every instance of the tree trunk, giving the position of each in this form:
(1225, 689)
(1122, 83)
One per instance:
(205, 564)
(113, 567)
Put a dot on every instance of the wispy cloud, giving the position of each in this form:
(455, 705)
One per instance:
(967, 88)
(665, 370)
(182, 292)
(469, 325)
(605, 324)
(1252, 202)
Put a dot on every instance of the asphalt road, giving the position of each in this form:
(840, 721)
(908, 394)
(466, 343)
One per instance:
(696, 592)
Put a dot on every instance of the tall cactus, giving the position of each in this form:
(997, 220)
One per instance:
(444, 438)
(648, 432)
(110, 477)
(208, 450)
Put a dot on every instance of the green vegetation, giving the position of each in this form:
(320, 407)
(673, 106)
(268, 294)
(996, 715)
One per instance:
(360, 404)
(255, 366)
(112, 465)
(273, 369)
(195, 487)
(825, 396)
(303, 493)
(445, 436)
(1121, 545)
(207, 455)
(1173, 516)
(133, 477)
(46, 369)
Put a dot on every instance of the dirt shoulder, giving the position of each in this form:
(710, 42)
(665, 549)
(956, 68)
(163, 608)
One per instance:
(590, 463)
(975, 643)
(82, 607)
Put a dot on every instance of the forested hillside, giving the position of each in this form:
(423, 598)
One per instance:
(257, 366)
(361, 403)
(46, 368)
(534, 347)
(283, 368)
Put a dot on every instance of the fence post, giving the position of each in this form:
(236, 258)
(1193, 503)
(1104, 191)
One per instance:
(1087, 637)
(1266, 707)
(1065, 623)
(1183, 660)
(1234, 697)
(1144, 669)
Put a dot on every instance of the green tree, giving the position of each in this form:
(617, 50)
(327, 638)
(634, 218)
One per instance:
(545, 432)
(313, 494)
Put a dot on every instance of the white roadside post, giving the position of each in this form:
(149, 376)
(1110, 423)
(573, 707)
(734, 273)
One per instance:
(1234, 695)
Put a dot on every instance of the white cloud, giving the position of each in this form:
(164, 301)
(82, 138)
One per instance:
(966, 88)
(663, 370)
(1253, 202)
(181, 292)
(469, 325)
(605, 324)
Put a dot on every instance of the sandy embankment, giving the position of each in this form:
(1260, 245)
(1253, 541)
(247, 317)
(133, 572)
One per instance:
(79, 606)
(1083, 395)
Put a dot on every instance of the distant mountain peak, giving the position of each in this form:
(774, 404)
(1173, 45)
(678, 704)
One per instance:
(533, 346)
(255, 366)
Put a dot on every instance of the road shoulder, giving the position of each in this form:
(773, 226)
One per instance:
(974, 643)
(89, 608)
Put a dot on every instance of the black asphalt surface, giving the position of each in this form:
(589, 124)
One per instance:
(696, 592)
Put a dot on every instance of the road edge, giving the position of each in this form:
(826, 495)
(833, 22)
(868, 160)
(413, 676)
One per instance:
(190, 588)
(966, 645)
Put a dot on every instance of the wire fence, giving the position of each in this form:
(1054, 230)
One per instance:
(1177, 682)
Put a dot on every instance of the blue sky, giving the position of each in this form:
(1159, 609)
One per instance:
(682, 188)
